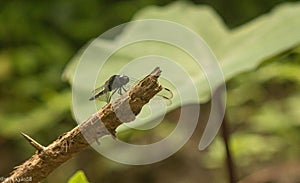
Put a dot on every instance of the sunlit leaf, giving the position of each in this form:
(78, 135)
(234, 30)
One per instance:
(78, 177)
(237, 50)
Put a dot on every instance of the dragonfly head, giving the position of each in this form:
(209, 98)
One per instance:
(123, 79)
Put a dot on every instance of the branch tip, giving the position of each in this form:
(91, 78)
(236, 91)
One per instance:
(156, 72)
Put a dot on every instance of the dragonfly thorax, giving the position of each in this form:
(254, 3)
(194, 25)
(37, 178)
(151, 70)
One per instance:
(117, 81)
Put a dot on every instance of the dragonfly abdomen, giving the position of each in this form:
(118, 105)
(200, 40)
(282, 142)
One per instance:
(98, 95)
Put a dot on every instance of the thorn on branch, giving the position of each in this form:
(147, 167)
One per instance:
(34, 143)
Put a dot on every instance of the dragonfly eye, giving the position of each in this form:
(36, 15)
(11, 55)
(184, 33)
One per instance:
(124, 79)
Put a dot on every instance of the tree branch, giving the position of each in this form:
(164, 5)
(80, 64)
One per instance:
(104, 122)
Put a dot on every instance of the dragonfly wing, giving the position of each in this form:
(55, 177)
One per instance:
(99, 94)
(105, 97)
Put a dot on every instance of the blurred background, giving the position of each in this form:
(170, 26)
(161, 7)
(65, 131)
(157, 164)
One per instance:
(38, 38)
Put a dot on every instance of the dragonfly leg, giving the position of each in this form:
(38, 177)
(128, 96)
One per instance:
(119, 91)
(109, 98)
(122, 88)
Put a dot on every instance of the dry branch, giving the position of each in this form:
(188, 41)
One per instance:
(105, 121)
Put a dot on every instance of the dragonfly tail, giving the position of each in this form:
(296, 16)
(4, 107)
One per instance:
(96, 96)
(92, 98)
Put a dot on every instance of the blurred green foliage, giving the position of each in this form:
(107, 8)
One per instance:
(38, 38)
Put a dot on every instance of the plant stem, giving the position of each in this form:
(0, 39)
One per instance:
(229, 159)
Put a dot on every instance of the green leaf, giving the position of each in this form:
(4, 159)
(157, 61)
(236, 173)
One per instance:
(78, 177)
(238, 50)
(201, 19)
(260, 39)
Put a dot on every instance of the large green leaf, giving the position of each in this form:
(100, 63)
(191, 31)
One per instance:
(264, 37)
(237, 50)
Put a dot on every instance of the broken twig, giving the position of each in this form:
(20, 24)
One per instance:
(105, 121)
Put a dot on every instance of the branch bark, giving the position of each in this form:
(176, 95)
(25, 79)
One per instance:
(105, 121)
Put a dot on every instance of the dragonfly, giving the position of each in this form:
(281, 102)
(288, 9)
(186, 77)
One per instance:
(117, 84)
